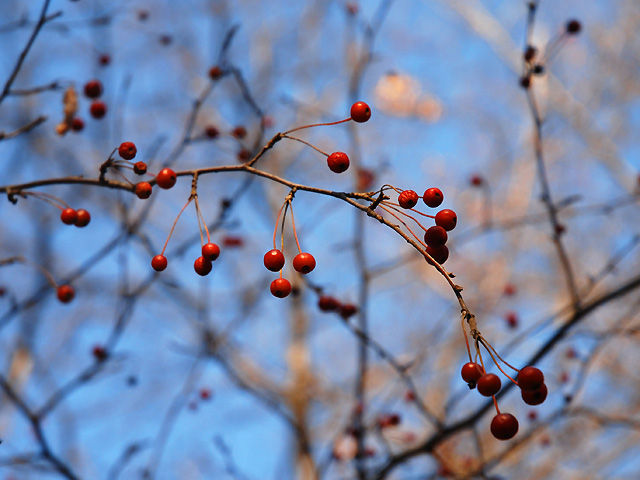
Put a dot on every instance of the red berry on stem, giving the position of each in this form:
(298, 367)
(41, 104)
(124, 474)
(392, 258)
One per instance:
(239, 132)
(140, 168)
(274, 260)
(338, 162)
(98, 109)
(348, 310)
(408, 199)
(280, 287)
(244, 155)
(530, 378)
(127, 150)
(143, 190)
(77, 124)
(99, 353)
(304, 262)
(471, 372)
(83, 217)
(68, 216)
(166, 178)
(65, 293)
(446, 219)
(432, 197)
(159, 263)
(327, 303)
(435, 236)
(210, 251)
(215, 72)
(93, 89)
(360, 112)
(202, 266)
(535, 397)
(504, 426)
(489, 384)
(211, 131)
(573, 27)
(439, 254)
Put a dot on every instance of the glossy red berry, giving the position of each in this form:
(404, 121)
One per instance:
(471, 372)
(77, 124)
(140, 168)
(360, 112)
(211, 131)
(338, 162)
(274, 260)
(280, 287)
(446, 219)
(530, 378)
(93, 89)
(432, 197)
(439, 254)
(65, 293)
(239, 132)
(210, 251)
(202, 266)
(215, 72)
(435, 236)
(166, 178)
(535, 397)
(408, 199)
(143, 190)
(127, 150)
(68, 216)
(348, 310)
(489, 384)
(304, 262)
(504, 426)
(83, 217)
(327, 303)
(98, 109)
(159, 263)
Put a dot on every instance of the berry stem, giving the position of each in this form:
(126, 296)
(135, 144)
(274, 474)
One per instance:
(424, 245)
(412, 209)
(496, 362)
(275, 229)
(306, 143)
(316, 125)
(175, 222)
(293, 224)
(466, 337)
(487, 344)
(50, 199)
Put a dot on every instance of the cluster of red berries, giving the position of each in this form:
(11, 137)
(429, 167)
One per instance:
(338, 162)
(93, 90)
(166, 178)
(327, 303)
(202, 265)
(274, 261)
(79, 218)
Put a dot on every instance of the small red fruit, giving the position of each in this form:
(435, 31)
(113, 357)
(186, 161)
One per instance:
(573, 27)
(98, 109)
(210, 251)
(530, 378)
(211, 131)
(471, 372)
(239, 132)
(504, 426)
(489, 384)
(104, 59)
(99, 353)
(435, 236)
(77, 124)
(83, 217)
(232, 241)
(535, 397)
(439, 254)
(274, 260)
(304, 262)
(280, 287)
(159, 263)
(65, 293)
(93, 89)
(338, 162)
(244, 155)
(205, 393)
(447, 219)
(140, 168)
(202, 266)
(432, 197)
(143, 190)
(348, 310)
(476, 181)
(127, 150)
(166, 178)
(327, 303)
(511, 319)
(215, 72)
(408, 199)
(68, 216)
(360, 112)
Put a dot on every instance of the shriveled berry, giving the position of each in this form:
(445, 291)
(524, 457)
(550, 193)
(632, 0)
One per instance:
(140, 168)
(408, 199)
(98, 109)
(77, 124)
(93, 89)
(202, 266)
(338, 162)
(504, 426)
(432, 197)
(489, 384)
(446, 219)
(274, 260)
(68, 216)
(471, 372)
(127, 150)
(166, 178)
(65, 293)
(439, 254)
(280, 287)
(304, 262)
(360, 112)
(143, 190)
(535, 397)
(573, 27)
(210, 251)
(327, 303)
(159, 263)
(530, 378)
(83, 217)
(348, 310)
(435, 236)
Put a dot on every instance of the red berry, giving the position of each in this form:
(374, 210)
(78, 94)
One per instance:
(447, 219)
(280, 287)
(439, 254)
(77, 124)
(83, 217)
(408, 199)
(244, 155)
(530, 378)
(143, 190)
(535, 397)
(205, 393)
(573, 27)
(68, 216)
(98, 109)
(489, 384)
(388, 420)
(65, 293)
(104, 59)
(239, 132)
(232, 241)
(274, 260)
(327, 303)
(338, 162)
(166, 178)
(140, 168)
(127, 150)
(509, 289)
(504, 426)
(360, 112)
(215, 72)
(435, 236)
(476, 181)
(99, 353)
(93, 89)
(304, 262)
(525, 82)
(211, 131)
(365, 179)
(202, 266)
(511, 319)
(471, 372)
(210, 251)
(159, 263)
(432, 197)
(348, 310)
